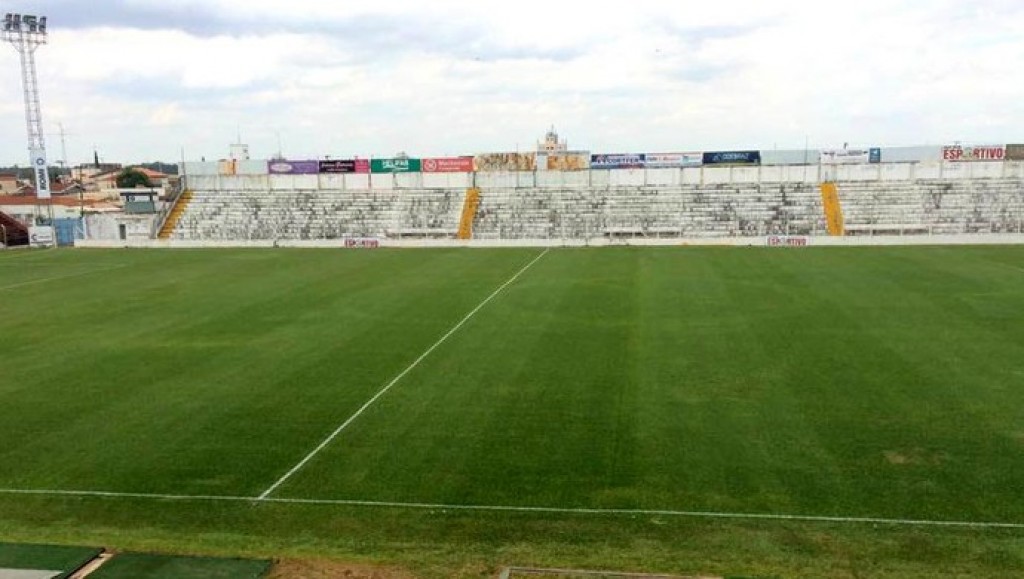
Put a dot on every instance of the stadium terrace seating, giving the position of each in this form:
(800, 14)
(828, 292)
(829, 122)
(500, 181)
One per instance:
(578, 210)
(319, 214)
(933, 206)
(723, 210)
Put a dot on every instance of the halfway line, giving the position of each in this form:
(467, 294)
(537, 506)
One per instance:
(520, 509)
(395, 380)
(56, 277)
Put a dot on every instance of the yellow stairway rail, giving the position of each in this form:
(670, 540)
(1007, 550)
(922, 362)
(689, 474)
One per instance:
(833, 209)
(469, 208)
(176, 212)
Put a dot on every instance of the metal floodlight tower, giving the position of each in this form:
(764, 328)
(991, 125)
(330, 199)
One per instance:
(26, 33)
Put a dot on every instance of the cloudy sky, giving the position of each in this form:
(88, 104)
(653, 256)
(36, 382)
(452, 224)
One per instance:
(142, 80)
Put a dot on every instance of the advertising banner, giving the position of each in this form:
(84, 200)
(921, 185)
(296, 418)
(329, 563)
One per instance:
(732, 158)
(986, 153)
(844, 156)
(1015, 152)
(448, 165)
(399, 165)
(787, 241)
(874, 155)
(492, 162)
(40, 236)
(42, 173)
(227, 167)
(345, 166)
(569, 162)
(282, 167)
(362, 243)
(662, 160)
(616, 161)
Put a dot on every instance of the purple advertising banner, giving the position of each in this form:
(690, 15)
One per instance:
(282, 167)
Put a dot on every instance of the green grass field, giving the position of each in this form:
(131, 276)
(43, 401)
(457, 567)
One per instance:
(634, 384)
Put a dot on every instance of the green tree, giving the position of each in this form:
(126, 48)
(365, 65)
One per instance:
(131, 178)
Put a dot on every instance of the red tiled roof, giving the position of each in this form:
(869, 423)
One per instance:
(31, 200)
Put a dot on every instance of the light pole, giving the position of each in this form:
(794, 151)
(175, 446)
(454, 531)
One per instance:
(26, 33)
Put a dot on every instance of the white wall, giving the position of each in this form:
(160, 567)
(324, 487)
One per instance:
(447, 180)
(881, 240)
(106, 227)
(600, 178)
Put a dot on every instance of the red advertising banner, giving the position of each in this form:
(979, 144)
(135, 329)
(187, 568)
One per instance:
(448, 165)
(959, 153)
(362, 243)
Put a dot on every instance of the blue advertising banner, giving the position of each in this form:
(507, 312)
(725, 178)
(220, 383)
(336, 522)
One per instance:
(618, 161)
(874, 155)
(733, 158)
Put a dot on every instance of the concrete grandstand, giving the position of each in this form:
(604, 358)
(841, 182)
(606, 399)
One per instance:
(579, 198)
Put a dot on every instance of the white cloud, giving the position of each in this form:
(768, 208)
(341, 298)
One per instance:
(452, 76)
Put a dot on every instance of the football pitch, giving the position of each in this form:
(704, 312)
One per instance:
(344, 402)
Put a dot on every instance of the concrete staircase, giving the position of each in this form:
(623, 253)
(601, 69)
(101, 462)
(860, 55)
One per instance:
(175, 215)
(14, 232)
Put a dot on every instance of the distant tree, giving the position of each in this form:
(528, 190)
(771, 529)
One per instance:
(131, 178)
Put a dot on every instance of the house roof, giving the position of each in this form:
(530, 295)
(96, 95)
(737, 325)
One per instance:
(55, 188)
(27, 200)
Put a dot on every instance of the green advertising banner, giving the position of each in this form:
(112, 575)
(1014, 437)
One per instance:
(395, 165)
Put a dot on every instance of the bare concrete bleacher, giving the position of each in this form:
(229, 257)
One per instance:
(721, 202)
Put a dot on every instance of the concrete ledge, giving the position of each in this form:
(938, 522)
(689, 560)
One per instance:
(879, 240)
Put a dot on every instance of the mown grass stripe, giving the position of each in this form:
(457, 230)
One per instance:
(323, 444)
(57, 277)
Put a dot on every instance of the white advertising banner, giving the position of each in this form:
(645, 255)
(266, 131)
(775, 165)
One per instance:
(661, 160)
(845, 156)
(40, 236)
(960, 153)
(787, 241)
(42, 173)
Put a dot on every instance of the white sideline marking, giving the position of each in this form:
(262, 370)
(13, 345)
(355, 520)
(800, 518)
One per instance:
(515, 509)
(395, 380)
(23, 253)
(56, 277)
